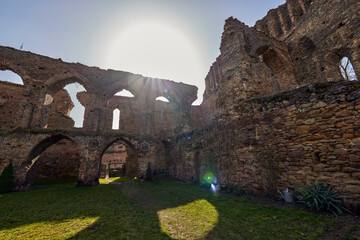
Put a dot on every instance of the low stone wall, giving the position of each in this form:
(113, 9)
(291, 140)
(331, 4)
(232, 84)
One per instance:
(288, 140)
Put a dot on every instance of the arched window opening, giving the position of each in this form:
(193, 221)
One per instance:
(10, 76)
(116, 119)
(118, 160)
(124, 93)
(347, 69)
(54, 160)
(162, 99)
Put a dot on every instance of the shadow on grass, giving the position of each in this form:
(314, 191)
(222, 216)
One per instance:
(57, 182)
(157, 210)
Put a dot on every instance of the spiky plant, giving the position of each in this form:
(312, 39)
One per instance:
(322, 198)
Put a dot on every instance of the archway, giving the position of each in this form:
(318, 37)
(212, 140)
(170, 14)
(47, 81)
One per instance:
(54, 160)
(119, 159)
(10, 76)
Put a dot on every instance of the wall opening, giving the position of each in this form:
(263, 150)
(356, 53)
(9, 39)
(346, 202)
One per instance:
(54, 160)
(347, 70)
(119, 160)
(162, 99)
(116, 119)
(78, 112)
(124, 93)
(10, 76)
(65, 109)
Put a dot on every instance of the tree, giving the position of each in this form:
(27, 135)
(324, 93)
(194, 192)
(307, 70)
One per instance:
(347, 69)
(6, 179)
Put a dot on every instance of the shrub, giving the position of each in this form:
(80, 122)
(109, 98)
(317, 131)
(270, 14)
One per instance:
(148, 175)
(321, 197)
(6, 179)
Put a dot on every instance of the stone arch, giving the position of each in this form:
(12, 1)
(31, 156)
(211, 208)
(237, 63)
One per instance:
(52, 116)
(11, 76)
(17, 70)
(131, 163)
(58, 83)
(25, 176)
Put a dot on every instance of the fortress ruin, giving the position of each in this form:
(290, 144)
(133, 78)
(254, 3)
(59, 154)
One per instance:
(277, 111)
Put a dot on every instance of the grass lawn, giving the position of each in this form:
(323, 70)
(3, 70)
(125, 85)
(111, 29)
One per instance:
(157, 210)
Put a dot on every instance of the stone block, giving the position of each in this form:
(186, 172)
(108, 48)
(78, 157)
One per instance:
(302, 130)
(310, 121)
(343, 113)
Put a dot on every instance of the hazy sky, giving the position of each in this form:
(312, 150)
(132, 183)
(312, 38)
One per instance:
(170, 39)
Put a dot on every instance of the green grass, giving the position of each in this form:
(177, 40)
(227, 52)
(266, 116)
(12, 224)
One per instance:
(116, 180)
(149, 210)
(56, 182)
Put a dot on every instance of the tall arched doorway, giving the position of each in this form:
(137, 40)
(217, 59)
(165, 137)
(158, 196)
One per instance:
(119, 159)
(55, 159)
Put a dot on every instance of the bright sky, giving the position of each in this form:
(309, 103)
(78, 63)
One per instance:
(169, 39)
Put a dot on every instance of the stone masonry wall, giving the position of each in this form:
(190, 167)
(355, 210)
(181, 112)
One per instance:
(10, 99)
(297, 44)
(60, 160)
(308, 134)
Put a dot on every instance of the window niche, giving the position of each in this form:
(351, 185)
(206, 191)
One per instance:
(162, 99)
(116, 119)
(347, 70)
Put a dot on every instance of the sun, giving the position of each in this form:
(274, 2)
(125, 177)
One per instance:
(156, 50)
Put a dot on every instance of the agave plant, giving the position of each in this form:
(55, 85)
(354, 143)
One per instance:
(321, 197)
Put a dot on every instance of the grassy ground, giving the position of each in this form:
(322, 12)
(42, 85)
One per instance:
(158, 210)
(59, 182)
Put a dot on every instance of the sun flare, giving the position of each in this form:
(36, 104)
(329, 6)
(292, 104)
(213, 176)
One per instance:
(155, 50)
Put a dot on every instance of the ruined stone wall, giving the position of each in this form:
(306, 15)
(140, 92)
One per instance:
(60, 160)
(282, 21)
(156, 119)
(44, 77)
(10, 99)
(60, 111)
(41, 108)
(276, 111)
(308, 134)
(318, 34)
(297, 44)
